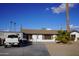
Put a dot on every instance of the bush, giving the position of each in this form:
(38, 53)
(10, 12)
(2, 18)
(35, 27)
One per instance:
(63, 36)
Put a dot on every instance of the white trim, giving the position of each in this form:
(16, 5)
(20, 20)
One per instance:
(43, 40)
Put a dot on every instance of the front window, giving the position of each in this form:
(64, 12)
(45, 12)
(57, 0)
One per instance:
(47, 36)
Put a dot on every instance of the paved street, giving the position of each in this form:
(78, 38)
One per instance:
(36, 49)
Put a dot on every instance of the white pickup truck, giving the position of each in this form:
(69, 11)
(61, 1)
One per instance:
(11, 40)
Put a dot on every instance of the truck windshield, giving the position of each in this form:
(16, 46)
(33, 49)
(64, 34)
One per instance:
(12, 36)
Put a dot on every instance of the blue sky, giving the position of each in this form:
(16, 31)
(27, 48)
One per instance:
(37, 15)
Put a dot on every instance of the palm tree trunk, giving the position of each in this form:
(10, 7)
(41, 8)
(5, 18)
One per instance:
(67, 18)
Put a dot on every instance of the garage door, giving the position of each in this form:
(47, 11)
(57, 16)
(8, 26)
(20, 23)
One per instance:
(39, 37)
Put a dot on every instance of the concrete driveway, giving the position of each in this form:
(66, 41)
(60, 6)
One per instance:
(36, 49)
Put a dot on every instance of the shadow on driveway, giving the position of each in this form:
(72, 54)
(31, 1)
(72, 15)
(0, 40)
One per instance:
(24, 43)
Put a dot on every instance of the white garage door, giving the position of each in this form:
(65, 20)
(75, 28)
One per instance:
(34, 36)
(39, 37)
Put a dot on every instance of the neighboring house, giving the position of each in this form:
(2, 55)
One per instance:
(20, 35)
(4, 34)
(1, 34)
(74, 35)
(1, 38)
(40, 35)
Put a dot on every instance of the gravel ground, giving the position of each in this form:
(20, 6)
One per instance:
(63, 49)
(36, 49)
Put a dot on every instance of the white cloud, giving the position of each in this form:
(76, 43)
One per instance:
(47, 9)
(73, 26)
(48, 29)
(61, 8)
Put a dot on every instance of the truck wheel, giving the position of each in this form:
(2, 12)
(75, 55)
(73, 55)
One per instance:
(5, 46)
(18, 45)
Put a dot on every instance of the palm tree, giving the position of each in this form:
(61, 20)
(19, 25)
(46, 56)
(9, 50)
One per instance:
(14, 26)
(67, 18)
(21, 27)
(11, 25)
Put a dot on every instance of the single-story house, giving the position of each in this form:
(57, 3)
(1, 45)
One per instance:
(45, 35)
(4, 34)
(40, 35)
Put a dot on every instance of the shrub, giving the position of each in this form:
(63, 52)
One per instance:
(63, 36)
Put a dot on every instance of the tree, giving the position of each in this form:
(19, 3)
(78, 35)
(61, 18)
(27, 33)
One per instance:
(11, 22)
